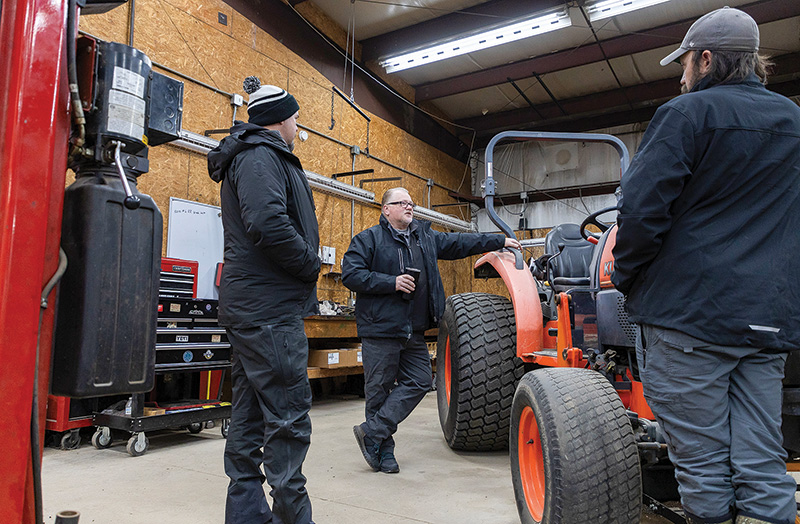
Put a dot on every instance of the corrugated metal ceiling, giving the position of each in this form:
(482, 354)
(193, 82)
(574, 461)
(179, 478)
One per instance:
(477, 90)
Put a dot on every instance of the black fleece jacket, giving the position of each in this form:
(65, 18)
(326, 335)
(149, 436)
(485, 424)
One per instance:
(376, 257)
(709, 223)
(271, 232)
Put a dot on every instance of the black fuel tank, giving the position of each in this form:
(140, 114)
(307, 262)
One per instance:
(106, 324)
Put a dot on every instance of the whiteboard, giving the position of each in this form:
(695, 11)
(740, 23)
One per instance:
(195, 233)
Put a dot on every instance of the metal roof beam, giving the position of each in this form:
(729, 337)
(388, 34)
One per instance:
(642, 95)
(575, 107)
(620, 116)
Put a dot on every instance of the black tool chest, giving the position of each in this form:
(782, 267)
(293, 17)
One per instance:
(188, 340)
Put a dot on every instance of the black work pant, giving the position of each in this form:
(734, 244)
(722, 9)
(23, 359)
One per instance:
(385, 360)
(271, 400)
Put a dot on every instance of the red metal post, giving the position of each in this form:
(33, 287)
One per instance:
(34, 129)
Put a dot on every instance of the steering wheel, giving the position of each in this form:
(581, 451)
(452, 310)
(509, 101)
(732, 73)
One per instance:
(592, 219)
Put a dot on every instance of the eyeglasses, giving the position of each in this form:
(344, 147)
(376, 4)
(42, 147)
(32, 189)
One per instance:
(405, 203)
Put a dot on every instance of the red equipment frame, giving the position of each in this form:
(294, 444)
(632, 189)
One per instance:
(58, 418)
(34, 133)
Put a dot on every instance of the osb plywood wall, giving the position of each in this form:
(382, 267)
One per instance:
(187, 36)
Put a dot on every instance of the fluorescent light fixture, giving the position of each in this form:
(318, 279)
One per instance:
(502, 35)
(443, 220)
(609, 8)
(335, 187)
(529, 242)
(194, 142)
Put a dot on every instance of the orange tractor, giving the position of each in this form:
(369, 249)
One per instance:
(552, 373)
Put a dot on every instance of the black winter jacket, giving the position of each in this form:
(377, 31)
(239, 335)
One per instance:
(271, 232)
(709, 223)
(375, 259)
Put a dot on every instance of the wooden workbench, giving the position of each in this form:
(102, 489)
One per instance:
(325, 331)
(327, 327)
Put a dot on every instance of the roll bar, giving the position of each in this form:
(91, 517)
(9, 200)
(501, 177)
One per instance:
(489, 184)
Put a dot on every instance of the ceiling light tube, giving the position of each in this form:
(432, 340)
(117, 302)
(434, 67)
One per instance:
(501, 35)
(609, 8)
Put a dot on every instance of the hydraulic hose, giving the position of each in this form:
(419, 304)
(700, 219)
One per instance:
(35, 449)
(72, 73)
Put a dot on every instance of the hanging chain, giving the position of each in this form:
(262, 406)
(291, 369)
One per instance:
(333, 122)
(367, 149)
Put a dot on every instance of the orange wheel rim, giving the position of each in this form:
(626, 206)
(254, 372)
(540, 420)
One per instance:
(531, 463)
(447, 369)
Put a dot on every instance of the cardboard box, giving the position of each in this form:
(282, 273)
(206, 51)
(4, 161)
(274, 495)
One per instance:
(149, 412)
(334, 358)
(325, 358)
(350, 357)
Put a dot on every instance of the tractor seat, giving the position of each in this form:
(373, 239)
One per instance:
(571, 268)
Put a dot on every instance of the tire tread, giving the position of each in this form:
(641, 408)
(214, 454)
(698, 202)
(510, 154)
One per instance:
(488, 370)
(594, 462)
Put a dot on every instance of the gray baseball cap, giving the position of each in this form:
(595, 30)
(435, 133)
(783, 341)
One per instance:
(725, 29)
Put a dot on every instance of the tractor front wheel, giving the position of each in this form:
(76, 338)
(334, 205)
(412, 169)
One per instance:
(573, 455)
(476, 371)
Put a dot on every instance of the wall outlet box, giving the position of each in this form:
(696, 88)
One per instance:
(328, 255)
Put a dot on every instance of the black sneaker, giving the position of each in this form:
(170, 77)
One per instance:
(389, 463)
(369, 448)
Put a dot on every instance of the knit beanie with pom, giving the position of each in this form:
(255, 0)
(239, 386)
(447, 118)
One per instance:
(268, 104)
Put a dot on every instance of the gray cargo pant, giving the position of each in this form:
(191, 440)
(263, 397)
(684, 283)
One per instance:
(271, 400)
(386, 360)
(720, 407)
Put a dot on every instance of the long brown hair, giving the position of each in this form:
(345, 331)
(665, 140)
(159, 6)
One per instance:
(734, 66)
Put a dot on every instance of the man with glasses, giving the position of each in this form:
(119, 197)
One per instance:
(392, 268)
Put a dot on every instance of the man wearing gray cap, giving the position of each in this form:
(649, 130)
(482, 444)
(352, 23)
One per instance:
(708, 256)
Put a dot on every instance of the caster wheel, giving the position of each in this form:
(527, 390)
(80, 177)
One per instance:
(210, 424)
(195, 428)
(102, 438)
(226, 423)
(71, 439)
(138, 445)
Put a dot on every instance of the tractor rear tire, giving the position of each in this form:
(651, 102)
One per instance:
(573, 455)
(477, 371)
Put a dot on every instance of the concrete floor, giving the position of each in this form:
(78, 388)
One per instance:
(181, 479)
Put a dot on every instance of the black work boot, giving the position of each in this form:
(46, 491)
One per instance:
(724, 519)
(369, 448)
(388, 462)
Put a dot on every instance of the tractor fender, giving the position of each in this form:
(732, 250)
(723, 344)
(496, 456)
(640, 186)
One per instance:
(524, 297)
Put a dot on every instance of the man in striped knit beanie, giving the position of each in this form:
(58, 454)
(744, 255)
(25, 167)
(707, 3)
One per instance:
(270, 105)
(268, 285)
